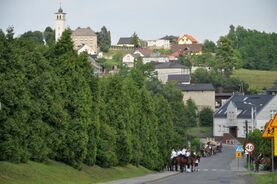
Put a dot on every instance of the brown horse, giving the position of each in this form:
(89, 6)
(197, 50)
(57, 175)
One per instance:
(171, 164)
(194, 165)
(183, 162)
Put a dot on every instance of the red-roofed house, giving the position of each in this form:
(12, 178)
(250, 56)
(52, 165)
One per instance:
(186, 39)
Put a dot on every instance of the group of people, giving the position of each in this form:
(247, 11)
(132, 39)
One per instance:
(183, 152)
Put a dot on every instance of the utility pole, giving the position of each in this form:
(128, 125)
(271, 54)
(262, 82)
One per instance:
(246, 135)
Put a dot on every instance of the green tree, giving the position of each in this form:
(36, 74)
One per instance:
(135, 40)
(106, 147)
(77, 101)
(104, 39)
(185, 61)
(36, 36)
(49, 35)
(227, 58)
(165, 134)
(148, 129)
(209, 46)
(118, 117)
(15, 101)
(206, 117)
(261, 145)
(191, 113)
(257, 49)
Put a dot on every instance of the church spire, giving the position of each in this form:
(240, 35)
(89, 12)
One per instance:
(60, 23)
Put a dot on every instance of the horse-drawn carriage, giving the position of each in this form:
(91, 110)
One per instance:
(184, 163)
(210, 148)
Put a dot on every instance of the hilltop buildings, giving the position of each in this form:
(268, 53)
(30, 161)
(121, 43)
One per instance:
(84, 39)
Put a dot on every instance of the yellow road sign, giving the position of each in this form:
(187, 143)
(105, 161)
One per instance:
(268, 130)
(238, 154)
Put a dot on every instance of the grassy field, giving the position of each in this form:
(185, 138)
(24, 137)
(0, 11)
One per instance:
(257, 79)
(200, 132)
(59, 173)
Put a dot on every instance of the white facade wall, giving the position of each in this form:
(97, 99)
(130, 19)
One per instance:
(125, 45)
(128, 59)
(201, 98)
(163, 73)
(155, 59)
(266, 113)
(164, 44)
(221, 126)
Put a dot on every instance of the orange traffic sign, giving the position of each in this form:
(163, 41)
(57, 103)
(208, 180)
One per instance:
(268, 130)
(238, 154)
(274, 121)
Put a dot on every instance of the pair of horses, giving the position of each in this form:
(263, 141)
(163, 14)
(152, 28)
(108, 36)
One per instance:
(266, 161)
(184, 163)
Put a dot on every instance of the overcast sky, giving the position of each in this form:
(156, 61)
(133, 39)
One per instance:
(151, 19)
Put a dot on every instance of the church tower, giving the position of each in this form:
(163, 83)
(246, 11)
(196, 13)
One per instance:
(60, 24)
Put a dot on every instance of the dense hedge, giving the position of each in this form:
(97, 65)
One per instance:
(53, 107)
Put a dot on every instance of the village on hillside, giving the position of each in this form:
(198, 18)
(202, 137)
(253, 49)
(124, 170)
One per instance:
(165, 53)
(77, 108)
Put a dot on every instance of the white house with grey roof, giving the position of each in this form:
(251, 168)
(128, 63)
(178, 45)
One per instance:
(243, 113)
(129, 60)
(170, 68)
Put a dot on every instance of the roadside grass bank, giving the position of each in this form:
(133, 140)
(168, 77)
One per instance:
(264, 178)
(200, 132)
(58, 173)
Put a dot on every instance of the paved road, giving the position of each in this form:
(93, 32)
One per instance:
(221, 168)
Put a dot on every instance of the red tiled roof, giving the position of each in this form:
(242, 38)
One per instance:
(190, 37)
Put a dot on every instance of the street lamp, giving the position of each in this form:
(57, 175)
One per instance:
(253, 111)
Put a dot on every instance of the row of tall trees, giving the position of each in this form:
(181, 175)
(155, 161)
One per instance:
(53, 107)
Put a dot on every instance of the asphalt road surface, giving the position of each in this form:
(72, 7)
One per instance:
(221, 168)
